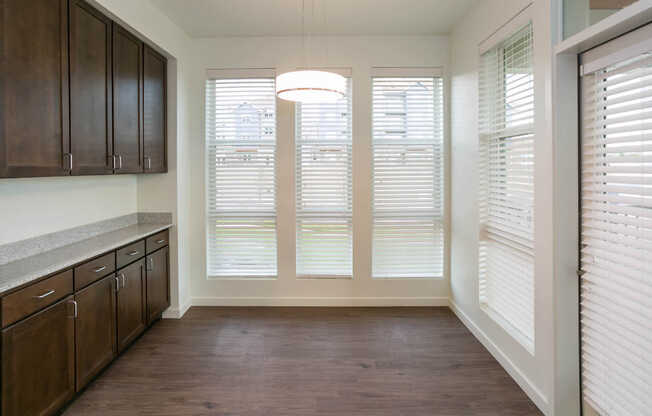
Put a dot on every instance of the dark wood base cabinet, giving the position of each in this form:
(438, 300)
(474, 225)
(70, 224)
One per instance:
(38, 362)
(158, 289)
(59, 334)
(131, 303)
(95, 328)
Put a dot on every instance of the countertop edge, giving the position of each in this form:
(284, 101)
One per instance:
(43, 272)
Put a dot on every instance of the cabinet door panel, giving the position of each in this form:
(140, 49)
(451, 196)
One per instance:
(34, 125)
(38, 362)
(95, 328)
(131, 305)
(127, 93)
(154, 110)
(90, 90)
(158, 294)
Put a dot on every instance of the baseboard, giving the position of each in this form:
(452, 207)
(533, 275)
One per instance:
(177, 313)
(539, 399)
(319, 301)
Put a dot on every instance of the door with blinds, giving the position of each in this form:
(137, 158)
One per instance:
(616, 226)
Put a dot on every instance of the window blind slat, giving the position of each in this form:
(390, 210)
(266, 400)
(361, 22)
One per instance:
(506, 121)
(324, 190)
(241, 179)
(408, 235)
(616, 220)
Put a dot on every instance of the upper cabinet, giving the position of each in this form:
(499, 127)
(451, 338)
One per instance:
(90, 90)
(127, 108)
(154, 111)
(79, 94)
(34, 126)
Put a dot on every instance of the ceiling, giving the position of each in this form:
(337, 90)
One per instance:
(212, 18)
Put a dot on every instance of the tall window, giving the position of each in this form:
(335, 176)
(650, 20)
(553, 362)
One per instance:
(324, 189)
(616, 225)
(507, 184)
(408, 232)
(241, 186)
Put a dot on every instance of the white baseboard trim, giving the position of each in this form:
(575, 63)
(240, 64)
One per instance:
(318, 301)
(521, 379)
(177, 313)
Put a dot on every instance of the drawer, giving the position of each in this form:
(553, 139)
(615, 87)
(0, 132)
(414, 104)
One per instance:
(130, 253)
(93, 270)
(157, 241)
(24, 302)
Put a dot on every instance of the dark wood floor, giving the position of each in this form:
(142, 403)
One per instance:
(306, 361)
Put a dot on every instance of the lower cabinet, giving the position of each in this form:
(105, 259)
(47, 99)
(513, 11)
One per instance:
(158, 288)
(95, 328)
(60, 332)
(38, 362)
(131, 305)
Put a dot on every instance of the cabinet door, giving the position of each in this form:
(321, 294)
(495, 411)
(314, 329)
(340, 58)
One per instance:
(34, 126)
(154, 110)
(131, 305)
(127, 93)
(158, 287)
(95, 328)
(38, 362)
(90, 90)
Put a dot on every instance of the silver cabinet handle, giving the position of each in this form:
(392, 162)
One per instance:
(160, 242)
(150, 264)
(117, 285)
(133, 253)
(74, 304)
(148, 162)
(119, 161)
(124, 280)
(45, 295)
(68, 158)
(99, 269)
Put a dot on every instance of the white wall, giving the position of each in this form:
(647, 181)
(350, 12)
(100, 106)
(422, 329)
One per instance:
(285, 53)
(32, 207)
(167, 192)
(534, 372)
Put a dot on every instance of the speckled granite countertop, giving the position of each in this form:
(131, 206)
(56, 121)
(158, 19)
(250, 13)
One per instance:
(20, 272)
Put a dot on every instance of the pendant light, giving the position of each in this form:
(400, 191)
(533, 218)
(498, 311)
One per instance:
(310, 86)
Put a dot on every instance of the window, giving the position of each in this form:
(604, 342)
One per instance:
(616, 225)
(506, 249)
(324, 193)
(408, 232)
(241, 197)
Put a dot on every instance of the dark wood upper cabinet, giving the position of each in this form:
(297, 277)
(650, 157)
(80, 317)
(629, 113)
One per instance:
(127, 98)
(155, 111)
(131, 303)
(95, 328)
(90, 90)
(34, 125)
(38, 362)
(158, 294)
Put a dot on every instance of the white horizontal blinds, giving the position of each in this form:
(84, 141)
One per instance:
(616, 250)
(408, 232)
(241, 183)
(324, 192)
(506, 249)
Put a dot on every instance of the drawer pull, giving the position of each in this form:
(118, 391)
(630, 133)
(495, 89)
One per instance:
(99, 269)
(45, 295)
(133, 253)
(160, 242)
(124, 279)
